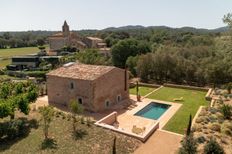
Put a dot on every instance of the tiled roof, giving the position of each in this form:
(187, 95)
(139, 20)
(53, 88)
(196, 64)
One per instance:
(94, 38)
(81, 71)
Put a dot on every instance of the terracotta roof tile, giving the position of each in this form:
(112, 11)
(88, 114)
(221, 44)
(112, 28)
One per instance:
(81, 71)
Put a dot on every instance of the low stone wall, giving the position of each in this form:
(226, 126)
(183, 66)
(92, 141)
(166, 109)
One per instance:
(133, 84)
(186, 87)
(212, 102)
(208, 95)
(196, 115)
(149, 85)
(105, 123)
(109, 119)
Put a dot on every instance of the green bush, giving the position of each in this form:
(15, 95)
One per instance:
(36, 74)
(201, 139)
(212, 147)
(226, 111)
(13, 129)
(189, 145)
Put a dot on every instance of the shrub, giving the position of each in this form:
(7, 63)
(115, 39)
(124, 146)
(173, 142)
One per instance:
(13, 129)
(88, 121)
(212, 147)
(215, 127)
(226, 111)
(212, 118)
(36, 73)
(197, 128)
(227, 128)
(199, 119)
(189, 145)
(201, 139)
(213, 110)
(82, 120)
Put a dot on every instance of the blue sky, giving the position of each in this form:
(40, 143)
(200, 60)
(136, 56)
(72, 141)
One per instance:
(18, 15)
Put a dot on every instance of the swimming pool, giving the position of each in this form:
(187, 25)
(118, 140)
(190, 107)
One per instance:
(153, 110)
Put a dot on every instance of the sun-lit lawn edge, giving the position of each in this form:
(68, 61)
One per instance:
(142, 90)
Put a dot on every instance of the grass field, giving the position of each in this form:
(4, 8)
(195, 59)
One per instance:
(90, 139)
(142, 90)
(6, 54)
(192, 100)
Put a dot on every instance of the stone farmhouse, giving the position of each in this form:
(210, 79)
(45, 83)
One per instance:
(97, 88)
(73, 40)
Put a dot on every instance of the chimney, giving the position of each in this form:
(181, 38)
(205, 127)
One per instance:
(125, 75)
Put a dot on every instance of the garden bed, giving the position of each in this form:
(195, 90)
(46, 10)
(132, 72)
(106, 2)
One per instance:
(91, 139)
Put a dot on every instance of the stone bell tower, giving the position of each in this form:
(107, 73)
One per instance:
(65, 29)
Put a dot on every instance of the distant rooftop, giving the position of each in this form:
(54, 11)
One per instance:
(81, 71)
(94, 38)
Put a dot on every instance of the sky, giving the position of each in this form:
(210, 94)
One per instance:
(23, 15)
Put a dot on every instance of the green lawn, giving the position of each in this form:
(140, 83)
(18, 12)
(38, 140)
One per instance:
(4, 62)
(192, 100)
(142, 90)
(6, 54)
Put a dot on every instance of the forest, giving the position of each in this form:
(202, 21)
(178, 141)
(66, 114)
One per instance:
(154, 54)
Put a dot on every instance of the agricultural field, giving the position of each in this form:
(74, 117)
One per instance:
(6, 54)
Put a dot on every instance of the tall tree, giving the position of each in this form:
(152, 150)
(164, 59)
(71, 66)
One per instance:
(122, 50)
(114, 146)
(188, 132)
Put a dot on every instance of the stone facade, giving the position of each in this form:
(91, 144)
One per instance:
(106, 87)
(65, 38)
(73, 40)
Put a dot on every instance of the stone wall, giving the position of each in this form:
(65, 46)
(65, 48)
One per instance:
(186, 87)
(60, 92)
(57, 43)
(108, 87)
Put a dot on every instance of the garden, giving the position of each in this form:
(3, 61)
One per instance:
(191, 100)
(89, 138)
(25, 128)
(215, 123)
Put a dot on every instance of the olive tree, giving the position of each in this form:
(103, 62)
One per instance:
(47, 113)
(76, 109)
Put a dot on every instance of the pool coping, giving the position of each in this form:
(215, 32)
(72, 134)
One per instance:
(142, 110)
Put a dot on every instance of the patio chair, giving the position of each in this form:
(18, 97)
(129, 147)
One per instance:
(178, 99)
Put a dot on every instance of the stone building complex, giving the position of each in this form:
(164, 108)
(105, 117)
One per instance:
(97, 88)
(71, 39)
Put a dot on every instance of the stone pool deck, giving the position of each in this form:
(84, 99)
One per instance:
(160, 142)
(126, 119)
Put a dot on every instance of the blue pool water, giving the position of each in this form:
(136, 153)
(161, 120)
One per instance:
(153, 110)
